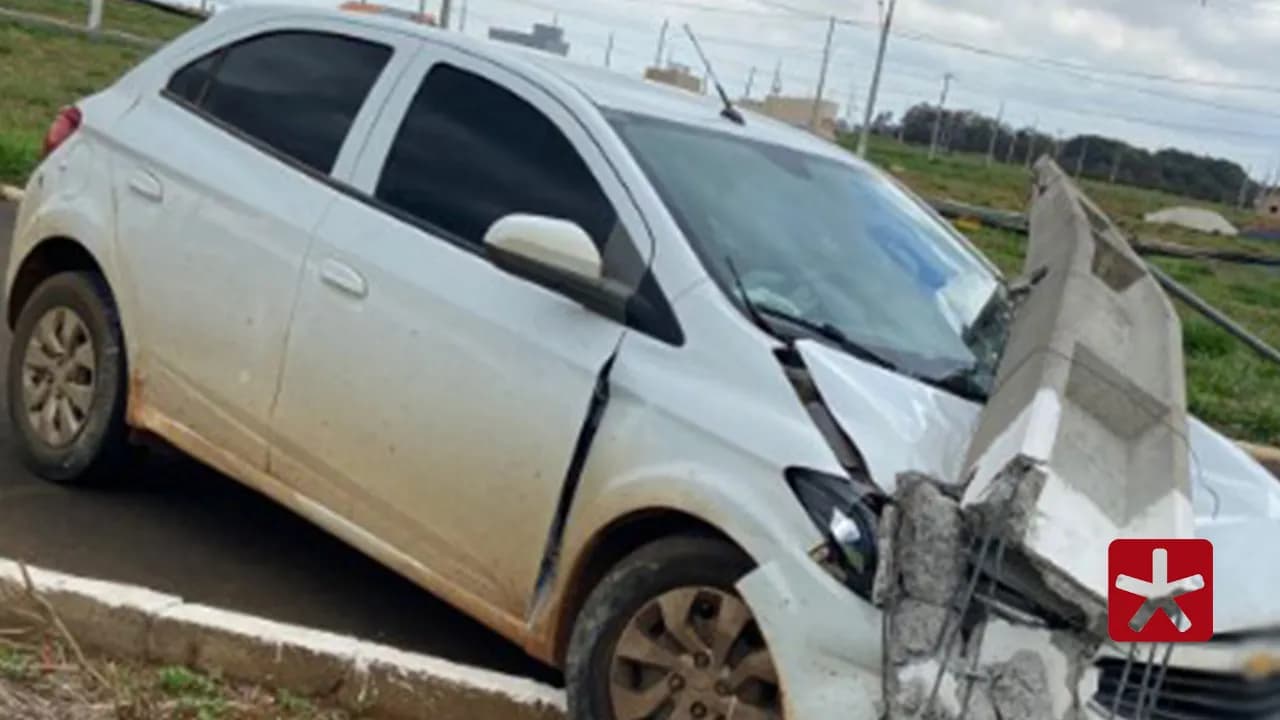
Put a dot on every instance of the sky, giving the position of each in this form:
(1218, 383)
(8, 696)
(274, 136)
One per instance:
(1198, 75)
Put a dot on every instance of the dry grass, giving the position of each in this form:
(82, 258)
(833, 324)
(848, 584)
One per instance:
(44, 675)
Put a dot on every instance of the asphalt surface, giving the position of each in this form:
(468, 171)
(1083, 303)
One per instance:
(179, 527)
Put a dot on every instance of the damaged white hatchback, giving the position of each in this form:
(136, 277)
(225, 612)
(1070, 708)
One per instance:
(699, 407)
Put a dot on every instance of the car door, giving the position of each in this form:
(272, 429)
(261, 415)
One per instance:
(220, 178)
(440, 397)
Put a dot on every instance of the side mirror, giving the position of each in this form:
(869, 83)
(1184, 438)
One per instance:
(541, 249)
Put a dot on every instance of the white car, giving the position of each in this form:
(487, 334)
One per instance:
(559, 346)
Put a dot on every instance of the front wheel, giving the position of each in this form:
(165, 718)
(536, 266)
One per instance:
(66, 381)
(665, 637)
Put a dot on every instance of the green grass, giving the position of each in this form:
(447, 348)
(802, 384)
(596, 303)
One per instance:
(43, 71)
(133, 18)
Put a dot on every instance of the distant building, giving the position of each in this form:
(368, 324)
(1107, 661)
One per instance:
(1268, 204)
(798, 111)
(677, 75)
(547, 38)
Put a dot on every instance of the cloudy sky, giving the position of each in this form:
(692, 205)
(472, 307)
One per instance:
(1200, 75)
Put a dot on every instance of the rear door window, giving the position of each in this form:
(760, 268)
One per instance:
(295, 92)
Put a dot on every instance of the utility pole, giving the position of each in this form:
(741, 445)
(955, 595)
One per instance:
(776, 87)
(751, 80)
(462, 16)
(848, 107)
(822, 76)
(662, 42)
(995, 133)
(868, 115)
(608, 52)
(1244, 189)
(444, 13)
(95, 15)
(1084, 152)
(1115, 163)
(937, 119)
(1031, 141)
(1013, 144)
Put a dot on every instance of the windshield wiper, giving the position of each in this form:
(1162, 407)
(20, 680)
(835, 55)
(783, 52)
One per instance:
(834, 334)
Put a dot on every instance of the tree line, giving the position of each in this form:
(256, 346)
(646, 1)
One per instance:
(1095, 156)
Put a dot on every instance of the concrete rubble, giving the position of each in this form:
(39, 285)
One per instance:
(994, 584)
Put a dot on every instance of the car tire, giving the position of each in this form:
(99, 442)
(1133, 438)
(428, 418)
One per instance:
(629, 600)
(67, 381)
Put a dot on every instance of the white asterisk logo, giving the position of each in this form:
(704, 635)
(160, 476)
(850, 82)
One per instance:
(1160, 593)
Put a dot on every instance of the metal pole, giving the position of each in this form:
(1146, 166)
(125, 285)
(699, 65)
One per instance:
(444, 13)
(995, 133)
(662, 42)
(822, 76)
(937, 119)
(875, 81)
(608, 52)
(1196, 302)
(1084, 151)
(751, 79)
(94, 22)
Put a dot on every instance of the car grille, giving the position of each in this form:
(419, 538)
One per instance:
(1185, 694)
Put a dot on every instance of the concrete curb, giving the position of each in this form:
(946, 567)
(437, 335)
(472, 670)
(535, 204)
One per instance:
(366, 678)
(11, 193)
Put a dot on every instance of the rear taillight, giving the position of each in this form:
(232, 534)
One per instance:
(63, 127)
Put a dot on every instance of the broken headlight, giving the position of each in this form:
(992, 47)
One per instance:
(846, 514)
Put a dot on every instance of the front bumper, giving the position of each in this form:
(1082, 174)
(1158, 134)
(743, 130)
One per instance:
(825, 640)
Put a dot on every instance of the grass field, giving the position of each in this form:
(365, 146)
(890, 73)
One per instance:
(1227, 384)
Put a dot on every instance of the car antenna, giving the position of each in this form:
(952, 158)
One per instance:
(728, 111)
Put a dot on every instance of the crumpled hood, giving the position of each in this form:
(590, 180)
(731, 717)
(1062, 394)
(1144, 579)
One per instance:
(900, 424)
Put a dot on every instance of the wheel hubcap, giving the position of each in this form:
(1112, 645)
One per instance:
(690, 654)
(58, 376)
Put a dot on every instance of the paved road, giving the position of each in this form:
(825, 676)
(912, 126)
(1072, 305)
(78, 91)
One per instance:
(181, 528)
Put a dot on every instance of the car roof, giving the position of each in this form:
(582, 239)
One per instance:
(604, 88)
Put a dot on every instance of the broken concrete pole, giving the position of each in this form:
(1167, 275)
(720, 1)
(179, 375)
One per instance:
(1087, 426)
(1020, 688)
(945, 659)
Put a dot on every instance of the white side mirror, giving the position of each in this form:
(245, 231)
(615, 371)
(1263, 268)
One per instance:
(545, 243)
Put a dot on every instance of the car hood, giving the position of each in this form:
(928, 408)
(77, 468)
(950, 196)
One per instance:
(900, 424)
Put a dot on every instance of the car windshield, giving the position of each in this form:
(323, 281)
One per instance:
(830, 248)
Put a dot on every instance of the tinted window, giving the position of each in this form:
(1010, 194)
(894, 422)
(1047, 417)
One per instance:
(469, 152)
(189, 83)
(297, 92)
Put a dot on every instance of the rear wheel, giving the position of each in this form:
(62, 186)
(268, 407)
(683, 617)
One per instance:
(665, 637)
(66, 381)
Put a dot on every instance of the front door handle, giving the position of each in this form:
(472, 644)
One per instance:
(343, 277)
(146, 185)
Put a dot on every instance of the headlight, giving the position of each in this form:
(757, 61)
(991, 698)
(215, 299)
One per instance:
(845, 513)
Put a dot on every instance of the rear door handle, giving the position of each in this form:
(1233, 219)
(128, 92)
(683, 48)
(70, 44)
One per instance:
(146, 185)
(343, 277)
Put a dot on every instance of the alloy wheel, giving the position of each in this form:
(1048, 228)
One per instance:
(58, 376)
(693, 653)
